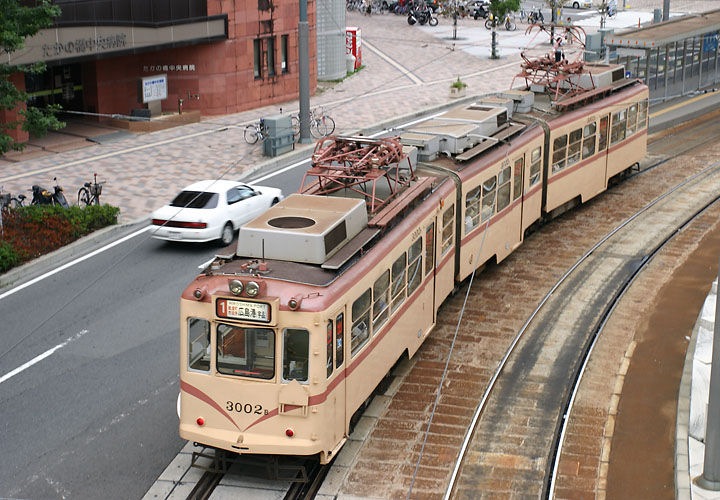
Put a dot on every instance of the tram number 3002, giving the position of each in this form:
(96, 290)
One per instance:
(245, 408)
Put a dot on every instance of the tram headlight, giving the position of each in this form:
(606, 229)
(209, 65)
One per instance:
(236, 287)
(252, 288)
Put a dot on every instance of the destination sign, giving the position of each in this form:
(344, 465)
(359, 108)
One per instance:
(243, 309)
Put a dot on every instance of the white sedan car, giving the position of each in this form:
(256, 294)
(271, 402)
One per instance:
(212, 210)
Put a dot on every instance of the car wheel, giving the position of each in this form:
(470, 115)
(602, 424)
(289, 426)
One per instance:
(227, 235)
(275, 200)
(576, 5)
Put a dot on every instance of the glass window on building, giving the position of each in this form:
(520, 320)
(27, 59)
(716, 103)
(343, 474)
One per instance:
(257, 57)
(198, 344)
(270, 55)
(284, 66)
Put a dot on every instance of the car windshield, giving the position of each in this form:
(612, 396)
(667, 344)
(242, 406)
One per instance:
(195, 199)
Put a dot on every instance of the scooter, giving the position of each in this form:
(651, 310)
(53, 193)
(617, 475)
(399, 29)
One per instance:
(421, 15)
(42, 196)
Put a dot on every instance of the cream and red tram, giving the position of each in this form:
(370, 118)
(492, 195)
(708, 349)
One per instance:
(284, 338)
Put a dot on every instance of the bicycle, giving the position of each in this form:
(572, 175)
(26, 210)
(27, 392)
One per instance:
(90, 192)
(321, 125)
(9, 201)
(255, 131)
(508, 23)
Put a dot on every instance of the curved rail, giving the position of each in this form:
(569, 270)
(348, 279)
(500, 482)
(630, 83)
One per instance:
(493, 380)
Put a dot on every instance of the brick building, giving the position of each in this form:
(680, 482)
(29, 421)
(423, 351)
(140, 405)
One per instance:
(219, 56)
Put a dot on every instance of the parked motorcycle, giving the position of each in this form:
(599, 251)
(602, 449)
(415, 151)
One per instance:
(422, 14)
(42, 196)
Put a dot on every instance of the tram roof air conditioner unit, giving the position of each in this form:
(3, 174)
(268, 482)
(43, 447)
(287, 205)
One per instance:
(303, 228)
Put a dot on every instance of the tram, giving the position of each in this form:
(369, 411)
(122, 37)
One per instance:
(284, 337)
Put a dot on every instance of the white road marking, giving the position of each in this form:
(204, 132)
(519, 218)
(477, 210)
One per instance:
(70, 264)
(39, 358)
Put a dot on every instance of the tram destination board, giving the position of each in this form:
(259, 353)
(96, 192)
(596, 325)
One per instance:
(243, 309)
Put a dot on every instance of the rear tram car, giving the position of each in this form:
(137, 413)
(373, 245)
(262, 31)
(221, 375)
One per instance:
(284, 338)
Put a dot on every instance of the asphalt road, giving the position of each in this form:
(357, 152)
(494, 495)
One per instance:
(95, 417)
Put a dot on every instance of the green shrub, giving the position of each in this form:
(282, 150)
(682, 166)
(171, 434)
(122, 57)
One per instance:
(29, 232)
(8, 256)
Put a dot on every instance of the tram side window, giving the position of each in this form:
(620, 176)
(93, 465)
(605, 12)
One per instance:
(360, 331)
(339, 340)
(381, 300)
(472, 209)
(559, 145)
(535, 162)
(448, 228)
(573, 155)
(503, 194)
(429, 248)
(398, 281)
(603, 133)
(642, 114)
(588, 148)
(296, 354)
(518, 177)
(414, 266)
(330, 348)
(488, 199)
(198, 344)
(245, 352)
(632, 119)
(617, 132)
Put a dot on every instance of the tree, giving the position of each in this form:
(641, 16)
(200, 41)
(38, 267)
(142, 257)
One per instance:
(499, 9)
(16, 24)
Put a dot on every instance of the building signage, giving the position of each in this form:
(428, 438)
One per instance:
(154, 88)
(168, 67)
(84, 45)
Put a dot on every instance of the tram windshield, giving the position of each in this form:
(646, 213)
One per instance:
(245, 352)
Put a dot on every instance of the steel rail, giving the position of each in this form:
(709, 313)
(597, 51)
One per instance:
(600, 327)
(481, 406)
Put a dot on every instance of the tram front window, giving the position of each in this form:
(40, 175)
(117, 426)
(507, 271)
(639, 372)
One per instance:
(296, 352)
(246, 352)
(198, 344)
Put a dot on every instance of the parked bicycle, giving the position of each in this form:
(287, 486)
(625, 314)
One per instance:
(321, 125)
(9, 201)
(508, 23)
(256, 131)
(89, 194)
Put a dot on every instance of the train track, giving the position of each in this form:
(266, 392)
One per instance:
(562, 331)
(503, 297)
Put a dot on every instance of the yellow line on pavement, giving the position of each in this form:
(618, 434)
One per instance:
(684, 103)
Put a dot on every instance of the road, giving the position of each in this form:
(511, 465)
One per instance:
(95, 417)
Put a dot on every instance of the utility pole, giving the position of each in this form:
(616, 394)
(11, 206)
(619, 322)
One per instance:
(710, 478)
(304, 73)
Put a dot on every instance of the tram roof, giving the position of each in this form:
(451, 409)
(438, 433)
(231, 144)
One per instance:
(672, 30)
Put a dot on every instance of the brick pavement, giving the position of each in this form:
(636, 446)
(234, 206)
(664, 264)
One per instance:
(145, 171)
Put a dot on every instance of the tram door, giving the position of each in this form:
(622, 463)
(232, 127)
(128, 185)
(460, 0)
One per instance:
(336, 371)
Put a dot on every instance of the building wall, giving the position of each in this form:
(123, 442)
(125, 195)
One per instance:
(17, 134)
(215, 78)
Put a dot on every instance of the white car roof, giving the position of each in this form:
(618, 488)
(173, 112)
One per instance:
(213, 186)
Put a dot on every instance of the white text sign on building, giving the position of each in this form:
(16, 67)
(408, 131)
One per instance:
(154, 88)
